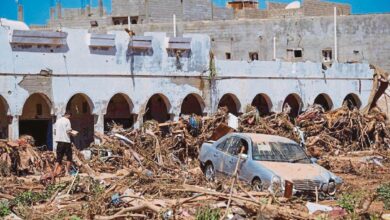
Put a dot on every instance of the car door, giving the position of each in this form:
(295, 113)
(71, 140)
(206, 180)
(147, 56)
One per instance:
(231, 156)
(218, 154)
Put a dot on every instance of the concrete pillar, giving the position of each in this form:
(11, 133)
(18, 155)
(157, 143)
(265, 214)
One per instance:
(13, 128)
(20, 13)
(99, 126)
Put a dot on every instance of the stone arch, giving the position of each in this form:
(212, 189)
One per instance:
(4, 110)
(158, 108)
(293, 105)
(230, 101)
(86, 103)
(36, 119)
(352, 101)
(192, 104)
(82, 120)
(325, 101)
(263, 103)
(120, 111)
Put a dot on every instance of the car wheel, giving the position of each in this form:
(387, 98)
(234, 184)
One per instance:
(209, 172)
(257, 185)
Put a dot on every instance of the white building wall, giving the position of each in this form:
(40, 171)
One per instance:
(101, 75)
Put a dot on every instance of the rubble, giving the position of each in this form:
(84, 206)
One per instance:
(153, 172)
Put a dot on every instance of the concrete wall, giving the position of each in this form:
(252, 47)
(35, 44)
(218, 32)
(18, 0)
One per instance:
(361, 38)
(275, 5)
(98, 76)
(321, 8)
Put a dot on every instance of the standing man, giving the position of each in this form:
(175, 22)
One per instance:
(62, 132)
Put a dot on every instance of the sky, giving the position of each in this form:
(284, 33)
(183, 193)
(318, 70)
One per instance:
(37, 11)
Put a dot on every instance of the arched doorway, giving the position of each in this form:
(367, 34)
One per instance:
(325, 101)
(293, 105)
(231, 102)
(82, 120)
(263, 104)
(192, 104)
(3, 118)
(352, 101)
(36, 119)
(157, 109)
(119, 111)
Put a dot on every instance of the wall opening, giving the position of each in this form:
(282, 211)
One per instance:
(192, 104)
(292, 105)
(352, 101)
(119, 111)
(228, 56)
(231, 102)
(82, 120)
(294, 54)
(253, 56)
(263, 104)
(3, 119)
(157, 109)
(325, 101)
(36, 120)
(327, 55)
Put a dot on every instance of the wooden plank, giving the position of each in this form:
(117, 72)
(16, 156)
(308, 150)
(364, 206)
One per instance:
(38, 41)
(180, 40)
(39, 34)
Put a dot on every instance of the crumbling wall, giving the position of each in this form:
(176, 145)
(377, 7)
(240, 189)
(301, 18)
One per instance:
(321, 8)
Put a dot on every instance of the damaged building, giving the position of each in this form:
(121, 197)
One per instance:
(180, 58)
(298, 31)
(117, 77)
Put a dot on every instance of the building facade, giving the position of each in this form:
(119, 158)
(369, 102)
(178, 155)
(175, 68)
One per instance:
(127, 79)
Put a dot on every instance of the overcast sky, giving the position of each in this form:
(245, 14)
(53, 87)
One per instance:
(37, 11)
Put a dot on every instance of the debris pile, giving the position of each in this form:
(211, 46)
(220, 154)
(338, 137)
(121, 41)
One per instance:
(153, 172)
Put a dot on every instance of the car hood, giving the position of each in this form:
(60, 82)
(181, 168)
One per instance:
(297, 171)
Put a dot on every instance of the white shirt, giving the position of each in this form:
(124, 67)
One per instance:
(61, 129)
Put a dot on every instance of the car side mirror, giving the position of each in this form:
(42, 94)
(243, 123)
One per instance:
(313, 160)
(243, 157)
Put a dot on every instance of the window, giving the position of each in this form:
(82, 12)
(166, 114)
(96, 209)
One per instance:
(326, 55)
(224, 144)
(228, 56)
(236, 145)
(297, 53)
(294, 54)
(253, 56)
(134, 20)
(279, 151)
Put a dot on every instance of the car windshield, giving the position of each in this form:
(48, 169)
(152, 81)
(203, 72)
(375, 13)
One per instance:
(280, 152)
